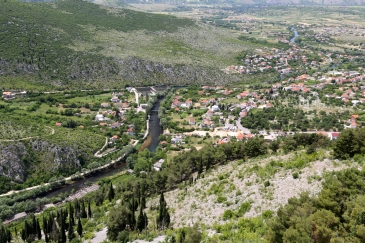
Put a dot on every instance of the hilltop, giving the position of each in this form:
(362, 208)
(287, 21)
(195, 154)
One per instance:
(78, 44)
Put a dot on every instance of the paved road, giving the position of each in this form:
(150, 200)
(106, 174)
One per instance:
(241, 128)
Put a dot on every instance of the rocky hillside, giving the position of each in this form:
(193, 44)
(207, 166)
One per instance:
(19, 160)
(80, 44)
(33, 161)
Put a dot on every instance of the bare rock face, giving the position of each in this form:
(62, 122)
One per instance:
(11, 163)
(16, 159)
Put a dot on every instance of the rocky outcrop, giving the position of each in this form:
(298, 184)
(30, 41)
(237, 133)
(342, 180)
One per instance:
(19, 158)
(11, 163)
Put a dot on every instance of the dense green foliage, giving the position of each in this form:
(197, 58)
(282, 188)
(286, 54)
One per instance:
(291, 119)
(335, 216)
(349, 143)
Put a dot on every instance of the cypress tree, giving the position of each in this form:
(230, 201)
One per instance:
(39, 232)
(200, 166)
(62, 230)
(3, 237)
(111, 192)
(163, 218)
(8, 234)
(143, 202)
(44, 223)
(140, 220)
(89, 214)
(34, 225)
(70, 233)
(83, 211)
(145, 220)
(79, 227)
(25, 231)
(71, 214)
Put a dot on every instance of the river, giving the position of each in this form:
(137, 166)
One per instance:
(151, 142)
(155, 130)
(292, 40)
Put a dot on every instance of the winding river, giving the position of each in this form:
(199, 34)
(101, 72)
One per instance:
(151, 142)
(292, 40)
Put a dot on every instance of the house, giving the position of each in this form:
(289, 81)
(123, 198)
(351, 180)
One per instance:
(334, 135)
(192, 121)
(114, 99)
(240, 136)
(188, 103)
(114, 138)
(115, 125)
(215, 108)
(99, 117)
(104, 105)
(243, 114)
(175, 103)
(177, 140)
(210, 112)
(7, 95)
(125, 105)
(158, 165)
(58, 124)
(207, 123)
(244, 94)
(130, 131)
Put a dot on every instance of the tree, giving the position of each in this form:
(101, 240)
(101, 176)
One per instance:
(70, 233)
(140, 220)
(274, 145)
(111, 192)
(118, 219)
(163, 218)
(79, 227)
(83, 211)
(344, 146)
(89, 214)
(39, 232)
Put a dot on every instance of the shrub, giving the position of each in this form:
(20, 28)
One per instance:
(267, 214)
(295, 175)
(228, 214)
(245, 207)
(221, 199)
(267, 183)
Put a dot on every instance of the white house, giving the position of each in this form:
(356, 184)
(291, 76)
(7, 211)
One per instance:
(99, 117)
(158, 165)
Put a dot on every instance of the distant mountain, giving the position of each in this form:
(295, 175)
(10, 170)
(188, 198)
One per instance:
(244, 2)
(62, 42)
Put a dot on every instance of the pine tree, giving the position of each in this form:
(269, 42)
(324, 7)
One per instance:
(79, 227)
(89, 214)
